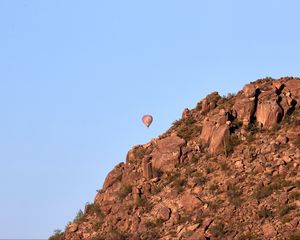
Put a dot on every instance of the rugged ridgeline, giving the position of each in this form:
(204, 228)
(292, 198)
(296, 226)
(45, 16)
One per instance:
(229, 169)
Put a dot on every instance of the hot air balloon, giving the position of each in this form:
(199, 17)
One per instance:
(147, 120)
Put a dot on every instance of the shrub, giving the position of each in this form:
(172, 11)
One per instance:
(179, 184)
(213, 187)
(139, 152)
(124, 191)
(157, 172)
(230, 144)
(295, 195)
(265, 213)
(117, 235)
(234, 195)
(250, 137)
(295, 236)
(97, 225)
(247, 236)
(200, 180)
(297, 142)
(94, 208)
(224, 166)
(297, 183)
(144, 203)
(184, 218)
(79, 217)
(286, 209)
(187, 128)
(266, 191)
(58, 235)
(218, 230)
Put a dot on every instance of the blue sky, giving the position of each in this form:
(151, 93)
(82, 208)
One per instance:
(77, 76)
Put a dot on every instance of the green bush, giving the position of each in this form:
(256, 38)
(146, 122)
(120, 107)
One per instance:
(230, 144)
(94, 208)
(144, 203)
(200, 180)
(187, 128)
(285, 209)
(297, 142)
(265, 213)
(247, 236)
(58, 235)
(184, 218)
(295, 195)
(79, 217)
(266, 191)
(234, 195)
(123, 192)
(218, 230)
(295, 236)
(139, 152)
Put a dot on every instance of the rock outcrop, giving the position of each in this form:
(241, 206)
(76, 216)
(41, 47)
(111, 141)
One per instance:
(229, 169)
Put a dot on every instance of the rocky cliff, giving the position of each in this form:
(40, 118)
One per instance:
(228, 169)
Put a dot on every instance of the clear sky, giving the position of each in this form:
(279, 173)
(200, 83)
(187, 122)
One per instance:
(77, 76)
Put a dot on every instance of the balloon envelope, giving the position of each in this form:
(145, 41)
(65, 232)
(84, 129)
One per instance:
(147, 120)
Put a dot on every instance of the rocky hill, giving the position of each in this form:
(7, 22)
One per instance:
(228, 169)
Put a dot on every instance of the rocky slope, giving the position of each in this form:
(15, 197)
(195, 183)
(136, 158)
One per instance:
(228, 169)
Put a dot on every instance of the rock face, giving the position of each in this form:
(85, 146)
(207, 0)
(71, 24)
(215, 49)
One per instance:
(229, 169)
(268, 113)
(215, 131)
(114, 176)
(167, 154)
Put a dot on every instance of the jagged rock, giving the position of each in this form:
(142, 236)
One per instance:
(268, 112)
(114, 176)
(167, 153)
(210, 102)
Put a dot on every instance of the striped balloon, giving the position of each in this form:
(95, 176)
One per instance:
(147, 120)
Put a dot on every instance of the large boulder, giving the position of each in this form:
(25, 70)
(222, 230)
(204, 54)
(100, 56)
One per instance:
(244, 108)
(268, 112)
(114, 176)
(167, 153)
(210, 102)
(190, 202)
(219, 137)
(293, 86)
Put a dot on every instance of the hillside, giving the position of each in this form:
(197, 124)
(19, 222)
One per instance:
(228, 169)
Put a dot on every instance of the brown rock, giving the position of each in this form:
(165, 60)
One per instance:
(249, 90)
(244, 108)
(164, 213)
(114, 176)
(166, 155)
(147, 169)
(210, 102)
(294, 87)
(268, 112)
(190, 202)
(219, 139)
(268, 230)
(73, 227)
